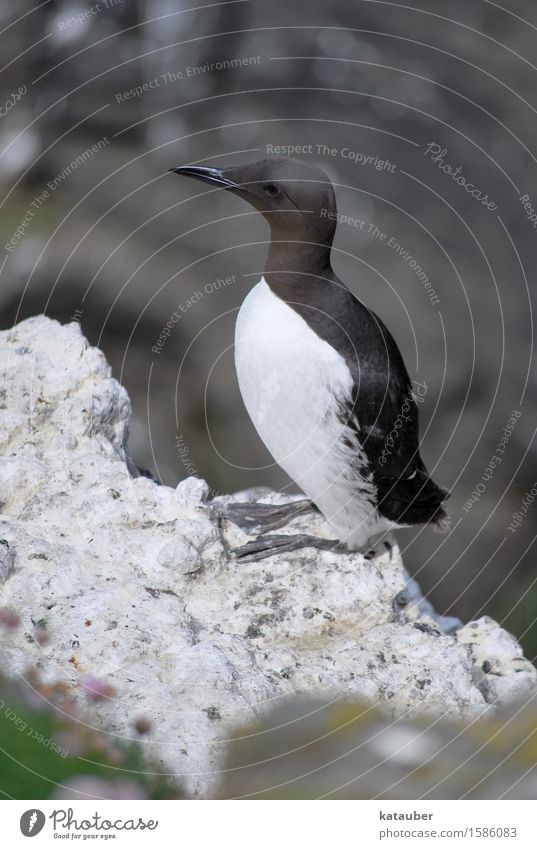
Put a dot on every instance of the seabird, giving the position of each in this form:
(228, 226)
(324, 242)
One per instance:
(321, 376)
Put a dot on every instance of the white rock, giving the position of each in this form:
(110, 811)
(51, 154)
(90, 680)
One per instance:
(134, 584)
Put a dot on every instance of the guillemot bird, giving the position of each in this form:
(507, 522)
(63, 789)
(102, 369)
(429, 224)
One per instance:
(321, 376)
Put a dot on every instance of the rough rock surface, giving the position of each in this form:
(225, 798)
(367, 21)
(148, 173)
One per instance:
(133, 583)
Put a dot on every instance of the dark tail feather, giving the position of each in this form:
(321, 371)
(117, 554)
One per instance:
(413, 501)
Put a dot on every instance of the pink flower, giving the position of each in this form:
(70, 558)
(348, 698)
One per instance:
(9, 617)
(91, 787)
(97, 690)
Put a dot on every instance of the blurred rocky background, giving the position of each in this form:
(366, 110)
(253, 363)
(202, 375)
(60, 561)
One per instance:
(99, 99)
(344, 750)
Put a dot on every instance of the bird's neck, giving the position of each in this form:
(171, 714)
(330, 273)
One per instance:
(301, 257)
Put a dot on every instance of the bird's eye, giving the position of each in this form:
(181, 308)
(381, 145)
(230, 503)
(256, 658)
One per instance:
(271, 189)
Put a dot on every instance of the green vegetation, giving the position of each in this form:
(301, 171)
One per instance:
(45, 743)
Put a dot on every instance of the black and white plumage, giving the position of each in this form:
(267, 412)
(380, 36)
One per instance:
(321, 376)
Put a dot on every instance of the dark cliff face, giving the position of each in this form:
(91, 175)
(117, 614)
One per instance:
(424, 127)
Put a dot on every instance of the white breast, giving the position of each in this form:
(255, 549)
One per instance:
(293, 383)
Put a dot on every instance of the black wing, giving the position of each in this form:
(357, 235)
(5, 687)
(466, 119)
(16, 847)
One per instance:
(383, 411)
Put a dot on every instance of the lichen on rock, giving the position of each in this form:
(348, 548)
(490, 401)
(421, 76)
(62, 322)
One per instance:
(134, 583)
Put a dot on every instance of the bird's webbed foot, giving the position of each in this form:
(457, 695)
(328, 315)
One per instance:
(260, 518)
(266, 546)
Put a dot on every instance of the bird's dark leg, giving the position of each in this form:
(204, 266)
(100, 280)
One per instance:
(266, 546)
(389, 548)
(260, 518)
(371, 550)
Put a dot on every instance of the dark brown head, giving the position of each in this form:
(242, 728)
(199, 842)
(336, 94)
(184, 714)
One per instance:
(296, 199)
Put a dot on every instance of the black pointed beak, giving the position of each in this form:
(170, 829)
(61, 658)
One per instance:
(215, 176)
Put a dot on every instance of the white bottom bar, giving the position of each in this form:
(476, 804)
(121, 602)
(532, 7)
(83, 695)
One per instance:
(270, 824)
